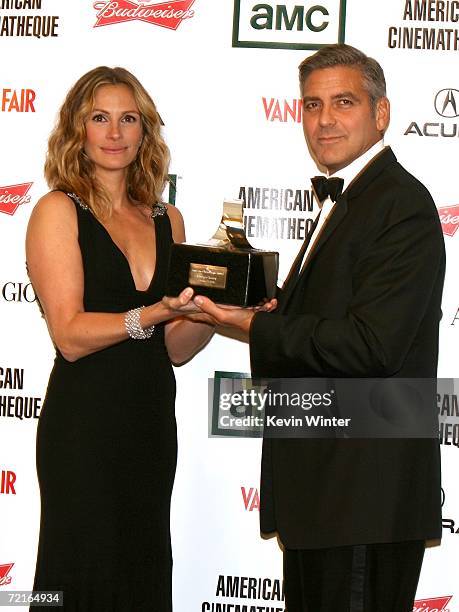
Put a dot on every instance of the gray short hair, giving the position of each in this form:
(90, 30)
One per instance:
(345, 55)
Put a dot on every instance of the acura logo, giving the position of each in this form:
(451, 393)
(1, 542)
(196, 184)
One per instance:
(445, 102)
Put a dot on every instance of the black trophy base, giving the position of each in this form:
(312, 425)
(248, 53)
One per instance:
(240, 277)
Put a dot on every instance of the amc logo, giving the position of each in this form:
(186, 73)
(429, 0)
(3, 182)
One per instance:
(291, 24)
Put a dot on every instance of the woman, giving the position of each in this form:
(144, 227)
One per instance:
(97, 248)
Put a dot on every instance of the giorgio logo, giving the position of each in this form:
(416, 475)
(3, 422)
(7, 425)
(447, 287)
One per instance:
(289, 24)
(165, 14)
(446, 103)
(12, 291)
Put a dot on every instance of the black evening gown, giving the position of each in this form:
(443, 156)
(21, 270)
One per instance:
(106, 449)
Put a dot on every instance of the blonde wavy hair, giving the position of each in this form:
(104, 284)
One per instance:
(67, 167)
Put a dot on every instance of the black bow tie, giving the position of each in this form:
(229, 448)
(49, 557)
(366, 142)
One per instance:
(327, 187)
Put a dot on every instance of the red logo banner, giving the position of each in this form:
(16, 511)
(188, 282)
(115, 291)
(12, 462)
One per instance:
(4, 571)
(165, 14)
(12, 196)
(449, 217)
(251, 498)
(435, 604)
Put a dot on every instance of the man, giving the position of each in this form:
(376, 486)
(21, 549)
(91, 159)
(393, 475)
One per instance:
(362, 300)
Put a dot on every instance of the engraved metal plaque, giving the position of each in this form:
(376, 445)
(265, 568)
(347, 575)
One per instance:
(206, 275)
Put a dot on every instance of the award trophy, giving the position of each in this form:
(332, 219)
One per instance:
(227, 269)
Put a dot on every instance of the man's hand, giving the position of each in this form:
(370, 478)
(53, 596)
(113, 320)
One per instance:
(232, 316)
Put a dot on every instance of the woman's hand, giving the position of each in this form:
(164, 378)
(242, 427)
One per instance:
(188, 329)
(182, 304)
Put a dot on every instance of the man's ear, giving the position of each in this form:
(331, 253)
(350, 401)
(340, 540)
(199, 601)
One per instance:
(382, 113)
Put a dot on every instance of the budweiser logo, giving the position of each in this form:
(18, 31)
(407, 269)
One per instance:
(12, 196)
(449, 217)
(165, 14)
(4, 571)
(436, 604)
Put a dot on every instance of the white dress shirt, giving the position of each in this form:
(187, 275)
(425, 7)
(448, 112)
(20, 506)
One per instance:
(348, 174)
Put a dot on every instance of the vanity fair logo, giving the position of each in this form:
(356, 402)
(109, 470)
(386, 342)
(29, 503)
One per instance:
(17, 100)
(283, 110)
(449, 217)
(12, 196)
(251, 498)
(4, 571)
(435, 604)
(7, 480)
(165, 14)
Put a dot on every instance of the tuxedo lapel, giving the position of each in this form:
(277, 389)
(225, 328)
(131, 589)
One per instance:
(370, 172)
(337, 215)
(361, 181)
(293, 280)
(295, 276)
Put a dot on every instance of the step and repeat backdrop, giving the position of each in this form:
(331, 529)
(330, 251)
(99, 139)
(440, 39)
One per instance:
(223, 74)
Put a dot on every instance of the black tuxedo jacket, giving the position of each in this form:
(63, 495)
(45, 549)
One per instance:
(367, 304)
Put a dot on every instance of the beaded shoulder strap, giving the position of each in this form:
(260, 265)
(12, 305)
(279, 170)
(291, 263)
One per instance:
(158, 210)
(78, 200)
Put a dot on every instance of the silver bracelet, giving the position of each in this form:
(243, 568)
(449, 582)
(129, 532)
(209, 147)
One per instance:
(133, 327)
